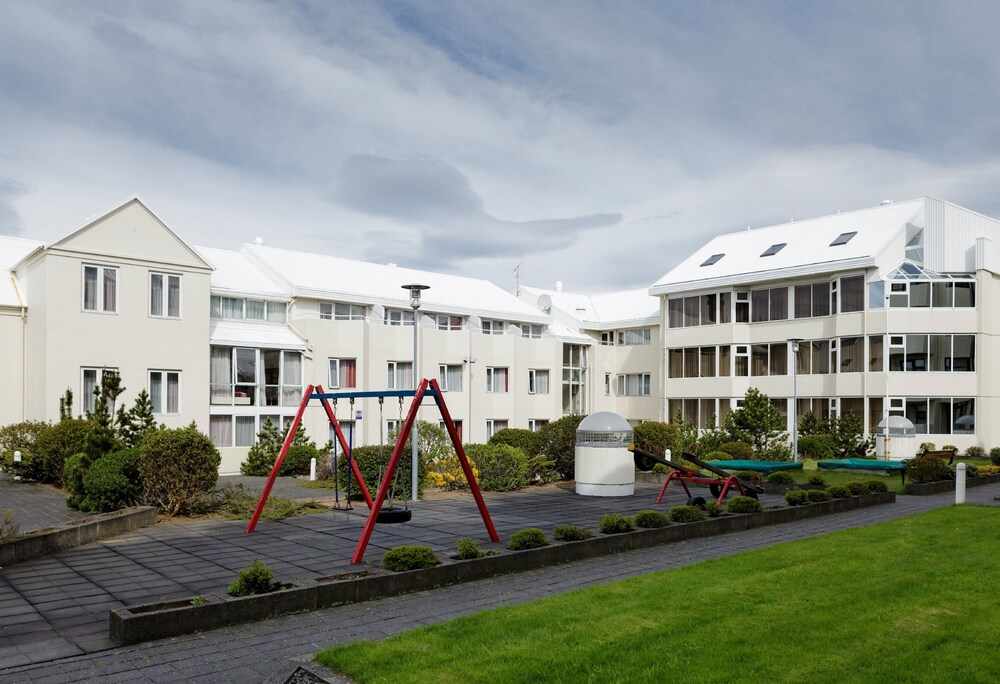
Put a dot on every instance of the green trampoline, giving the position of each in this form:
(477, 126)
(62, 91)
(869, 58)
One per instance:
(861, 464)
(757, 466)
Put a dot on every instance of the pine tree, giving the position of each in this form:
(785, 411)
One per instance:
(141, 420)
(101, 438)
(758, 423)
(66, 405)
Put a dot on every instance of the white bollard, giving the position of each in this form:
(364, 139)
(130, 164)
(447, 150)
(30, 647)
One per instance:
(960, 483)
(666, 454)
(17, 457)
(312, 469)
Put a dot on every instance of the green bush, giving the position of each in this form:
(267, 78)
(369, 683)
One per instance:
(975, 452)
(995, 455)
(818, 447)
(557, 440)
(684, 514)
(72, 478)
(775, 452)
(528, 538)
(876, 486)
(746, 475)
(856, 488)
(469, 549)
(817, 480)
(237, 502)
(525, 440)
(796, 497)
(403, 558)
(926, 446)
(655, 437)
(816, 495)
(924, 469)
(737, 450)
(54, 445)
(265, 450)
(373, 460)
(744, 504)
(716, 456)
(650, 519)
(712, 508)
(9, 527)
(780, 477)
(615, 523)
(971, 470)
(22, 437)
(568, 533)
(949, 447)
(112, 482)
(839, 491)
(501, 467)
(256, 578)
(178, 468)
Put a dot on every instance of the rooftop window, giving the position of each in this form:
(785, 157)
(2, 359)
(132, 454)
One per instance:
(774, 249)
(843, 238)
(712, 259)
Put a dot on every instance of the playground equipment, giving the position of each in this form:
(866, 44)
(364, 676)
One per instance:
(719, 486)
(425, 387)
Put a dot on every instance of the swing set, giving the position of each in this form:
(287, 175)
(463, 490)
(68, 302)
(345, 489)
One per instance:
(427, 386)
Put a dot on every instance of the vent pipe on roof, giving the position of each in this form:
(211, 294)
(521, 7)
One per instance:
(886, 203)
(259, 241)
(558, 286)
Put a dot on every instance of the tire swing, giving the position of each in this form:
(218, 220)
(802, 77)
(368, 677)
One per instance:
(391, 514)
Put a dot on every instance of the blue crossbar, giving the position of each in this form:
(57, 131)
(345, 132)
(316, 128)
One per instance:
(371, 395)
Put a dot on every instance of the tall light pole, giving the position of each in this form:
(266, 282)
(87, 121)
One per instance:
(415, 291)
(794, 341)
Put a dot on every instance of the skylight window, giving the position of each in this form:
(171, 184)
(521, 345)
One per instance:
(774, 249)
(712, 259)
(843, 239)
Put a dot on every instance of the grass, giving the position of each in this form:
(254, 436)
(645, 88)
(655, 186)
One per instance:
(904, 601)
(239, 503)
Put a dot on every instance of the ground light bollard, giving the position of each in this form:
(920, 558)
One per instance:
(312, 469)
(960, 483)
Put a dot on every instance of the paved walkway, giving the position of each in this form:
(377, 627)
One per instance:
(36, 506)
(255, 652)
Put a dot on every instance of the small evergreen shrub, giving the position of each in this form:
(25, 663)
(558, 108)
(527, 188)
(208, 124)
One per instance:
(839, 491)
(817, 447)
(817, 480)
(744, 504)
(876, 486)
(817, 495)
(775, 452)
(528, 538)
(685, 513)
(557, 441)
(975, 451)
(995, 456)
(949, 447)
(655, 437)
(256, 578)
(971, 470)
(924, 469)
(566, 533)
(796, 497)
(525, 440)
(926, 446)
(178, 468)
(716, 456)
(746, 475)
(54, 445)
(737, 450)
(403, 558)
(112, 482)
(469, 549)
(780, 477)
(661, 469)
(651, 519)
(500, 467)
(712, 508)
(73, 479)
(615, 523)
(858, 487)
(372, 461)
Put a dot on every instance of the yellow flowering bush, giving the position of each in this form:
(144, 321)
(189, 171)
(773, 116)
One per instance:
(446, 473)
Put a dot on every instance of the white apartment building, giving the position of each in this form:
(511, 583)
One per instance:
(895, 306)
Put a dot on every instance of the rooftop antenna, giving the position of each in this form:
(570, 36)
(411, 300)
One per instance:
(517, 279)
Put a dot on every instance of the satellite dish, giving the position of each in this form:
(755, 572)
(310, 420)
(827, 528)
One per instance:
(545, 303)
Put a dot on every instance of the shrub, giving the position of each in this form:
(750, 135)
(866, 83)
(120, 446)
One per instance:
(557, 440)
(685, 513)
(737, 450)
(72, 479)
(926, 469)
(22, 437)
(403, 558)
(239, 503)
(746, 475)
(528, 538)
(796, 497)
(501, 467)
(525, 440)
(661, 469)
(54, 445)
(264, 452)
(876, 486)
(926, 446)
(469, 549)
(817, 480)
(995, 456)
(650, 519)
(989, 470)
(447, 474)
(8, 525)
(975, 451)
(112, 482)
(567, 533)
(615, 523)
(780, 477)
(655, 437)
(712, 508)
(372, 462)
(839, 491)
(856, 488)
(817, 495)
(758, 423)
(818, 447)
(744, 504)
(775, 452)
(971, 470)
(256, 578)
(949, 447)
(716, 456)
(177, 468)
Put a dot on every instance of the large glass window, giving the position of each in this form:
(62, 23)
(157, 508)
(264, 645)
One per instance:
(496, 379)
(708, 362)
(876, 351)
(400, 375)
(450, 377)
(100, 289)
(164, 295)
(852, 294)
(164, 391)
(852, 352)
(538, 381)
(343, 373)
(634, 385)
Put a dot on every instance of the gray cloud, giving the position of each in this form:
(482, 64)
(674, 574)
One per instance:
(10, 220)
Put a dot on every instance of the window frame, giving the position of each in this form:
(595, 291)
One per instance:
(165, 295)
(163, 399)
(100, 305)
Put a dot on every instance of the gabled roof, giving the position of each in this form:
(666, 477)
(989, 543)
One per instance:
(605, 311)
(807, 249)
(332, 278)
(236, 274)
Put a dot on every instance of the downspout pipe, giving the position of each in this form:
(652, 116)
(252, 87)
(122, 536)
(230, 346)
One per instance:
(24, 346)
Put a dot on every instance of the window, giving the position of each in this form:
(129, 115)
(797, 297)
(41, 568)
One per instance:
(493, 327)
(675, 363)
(100, 289)
(493, 426)
(326, 311)
(255, 310)
(343, 373)
(446, 322)
(90, 378)
(496, 379)
(935, 353)
(236, 309)
(742, 307)
(709, 303)
(399, 317)
(742, 361)
(220, 430)
(400, 375)
(531, 330)
(607, 384)
(450, 377)
(229, 308)
(634, 385)
(876, 350)
(538, 381)
(574, 379)
(341, 312)
(770, 305)
(852, 351)
(774, 249)
(276, 312)
(164, 392)
(725, 361)
(708, 362)
(633, 337)
(843, 239)
(245, 433)
(852, 294)
(712, 259)
(675, 314)
(608, 338)
(536, 424)
(164, 295)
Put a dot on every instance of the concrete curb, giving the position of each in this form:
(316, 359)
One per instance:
(948, 485)
(47, 542)
(136, 624)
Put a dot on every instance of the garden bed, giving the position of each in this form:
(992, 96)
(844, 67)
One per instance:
(135, 624)
(947, 485)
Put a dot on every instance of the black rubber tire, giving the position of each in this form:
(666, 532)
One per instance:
(751, 492)
(391, 516)
(643, 463)
(698, 501)
(715, 489)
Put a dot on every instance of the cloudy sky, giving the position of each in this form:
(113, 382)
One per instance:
(596, 142)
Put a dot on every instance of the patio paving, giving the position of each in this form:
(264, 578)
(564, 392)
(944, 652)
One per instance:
(36, 506)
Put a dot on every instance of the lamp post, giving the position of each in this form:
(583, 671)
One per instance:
(794, 341)
(415, 291)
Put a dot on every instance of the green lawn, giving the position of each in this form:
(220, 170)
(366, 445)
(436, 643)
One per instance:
(912, 600)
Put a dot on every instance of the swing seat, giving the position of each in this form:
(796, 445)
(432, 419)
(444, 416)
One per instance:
(391, 515)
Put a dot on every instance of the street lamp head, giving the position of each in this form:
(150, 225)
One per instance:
(415, 290)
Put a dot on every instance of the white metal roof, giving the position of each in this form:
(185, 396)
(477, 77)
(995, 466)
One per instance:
(346, 280)
(603, 311)
(236, 274)
(807, 248)
(241, 334)
(13, 250)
